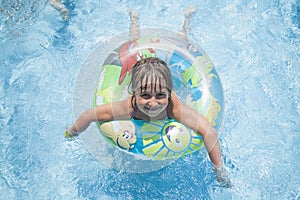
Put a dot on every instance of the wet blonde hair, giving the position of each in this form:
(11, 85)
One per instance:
(150, 70)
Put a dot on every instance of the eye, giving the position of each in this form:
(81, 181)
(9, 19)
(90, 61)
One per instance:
(161, 95)
(145, 96)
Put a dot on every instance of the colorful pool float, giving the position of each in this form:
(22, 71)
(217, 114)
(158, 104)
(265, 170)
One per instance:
(195, 81)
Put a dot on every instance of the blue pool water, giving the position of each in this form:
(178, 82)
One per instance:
(255, 47)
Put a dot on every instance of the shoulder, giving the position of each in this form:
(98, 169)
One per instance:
(179, 108)
(175, 100)
(116, 110)
(176, 105)
(125, 105)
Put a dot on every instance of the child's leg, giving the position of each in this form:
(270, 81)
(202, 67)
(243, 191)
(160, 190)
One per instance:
(57, 4)
(186, 25)
(134, 26)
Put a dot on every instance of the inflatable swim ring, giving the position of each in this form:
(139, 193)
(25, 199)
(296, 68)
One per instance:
(195, 81)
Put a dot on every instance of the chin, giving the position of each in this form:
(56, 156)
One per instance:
(155, 113)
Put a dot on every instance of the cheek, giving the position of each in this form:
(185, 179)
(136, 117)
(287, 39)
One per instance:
(141, 101)
(163, 101)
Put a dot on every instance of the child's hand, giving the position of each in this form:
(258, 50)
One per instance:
(222, 177)
(70, 134)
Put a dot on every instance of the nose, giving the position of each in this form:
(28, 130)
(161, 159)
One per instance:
(152, 102)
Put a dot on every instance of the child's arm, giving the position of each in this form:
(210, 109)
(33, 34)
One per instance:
(191, 118)
(197, 122)
(105, 112)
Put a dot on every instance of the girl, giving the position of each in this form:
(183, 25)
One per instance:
(152, 98)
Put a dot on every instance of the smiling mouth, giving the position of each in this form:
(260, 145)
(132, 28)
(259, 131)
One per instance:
(153, 109)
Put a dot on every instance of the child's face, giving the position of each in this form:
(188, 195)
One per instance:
(152, 100)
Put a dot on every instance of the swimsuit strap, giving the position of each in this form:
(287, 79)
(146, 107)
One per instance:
(133, 115)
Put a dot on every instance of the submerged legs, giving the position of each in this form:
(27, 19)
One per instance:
(134, 26)
(58, 5)
(186, 25)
